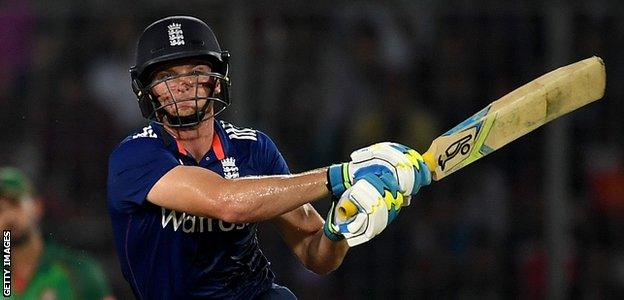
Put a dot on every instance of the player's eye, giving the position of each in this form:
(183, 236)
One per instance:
(161, 75)
(201, 69)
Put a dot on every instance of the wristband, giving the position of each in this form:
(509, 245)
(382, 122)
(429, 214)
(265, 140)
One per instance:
(338, 179)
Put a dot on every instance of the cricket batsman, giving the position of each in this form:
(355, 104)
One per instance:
(186, 192)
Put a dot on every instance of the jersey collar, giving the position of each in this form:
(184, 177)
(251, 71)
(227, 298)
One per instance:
(219, 141)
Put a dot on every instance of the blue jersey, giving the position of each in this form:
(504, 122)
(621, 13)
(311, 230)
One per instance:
(166, 254)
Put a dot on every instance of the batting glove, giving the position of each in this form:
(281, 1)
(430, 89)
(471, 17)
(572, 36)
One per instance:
(407, 166)
(378, 201)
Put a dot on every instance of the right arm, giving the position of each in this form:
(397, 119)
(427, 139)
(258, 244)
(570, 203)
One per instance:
(251, 199)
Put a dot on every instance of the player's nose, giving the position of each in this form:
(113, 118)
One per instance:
(181, 85)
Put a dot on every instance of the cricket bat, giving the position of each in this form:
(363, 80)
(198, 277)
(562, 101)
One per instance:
(523, 110)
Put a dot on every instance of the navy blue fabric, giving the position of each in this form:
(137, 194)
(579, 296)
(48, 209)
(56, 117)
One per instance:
(166, 254)
(277, 292)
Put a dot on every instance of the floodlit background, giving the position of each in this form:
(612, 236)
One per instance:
(540, 219)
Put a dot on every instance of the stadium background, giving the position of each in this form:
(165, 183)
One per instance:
(542, 218)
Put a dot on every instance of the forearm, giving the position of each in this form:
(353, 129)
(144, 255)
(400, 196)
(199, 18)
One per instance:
(251, 199)
(302, 230)
(323, 255)
(256, 199)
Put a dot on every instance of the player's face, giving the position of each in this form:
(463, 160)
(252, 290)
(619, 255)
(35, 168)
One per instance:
(19, 216)
(183, 88)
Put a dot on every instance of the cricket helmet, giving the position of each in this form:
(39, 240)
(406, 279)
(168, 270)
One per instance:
(166, 42)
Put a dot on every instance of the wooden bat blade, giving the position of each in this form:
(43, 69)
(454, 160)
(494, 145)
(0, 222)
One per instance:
(515, 114)
(523, 110)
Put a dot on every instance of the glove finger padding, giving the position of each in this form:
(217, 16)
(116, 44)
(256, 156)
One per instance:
(405, 163)
(386, 155)
(392, 196)
(422, 175)
(378, 202)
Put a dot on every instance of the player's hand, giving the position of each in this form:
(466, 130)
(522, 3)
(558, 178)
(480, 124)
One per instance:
(407, 166)
(378, 201)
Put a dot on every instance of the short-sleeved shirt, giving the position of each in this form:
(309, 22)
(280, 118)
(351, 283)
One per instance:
(63, 274)
(167, 254)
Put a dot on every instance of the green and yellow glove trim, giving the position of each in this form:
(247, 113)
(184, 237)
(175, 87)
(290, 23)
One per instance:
(328, 229)
(338, 180)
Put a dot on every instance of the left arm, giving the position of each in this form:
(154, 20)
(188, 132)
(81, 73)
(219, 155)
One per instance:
(302, 230)
(302, 227)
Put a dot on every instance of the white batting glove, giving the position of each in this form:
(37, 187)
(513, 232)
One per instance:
(407, 166)
(378, 202)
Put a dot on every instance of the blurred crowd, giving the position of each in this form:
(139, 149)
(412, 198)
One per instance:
(323, 79)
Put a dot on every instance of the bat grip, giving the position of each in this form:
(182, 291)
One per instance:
(346, 210)
(430, 161)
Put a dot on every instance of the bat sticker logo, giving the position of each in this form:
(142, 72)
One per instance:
(461, 146)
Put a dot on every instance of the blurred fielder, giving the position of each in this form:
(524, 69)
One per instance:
(42, 269)
(186, 192)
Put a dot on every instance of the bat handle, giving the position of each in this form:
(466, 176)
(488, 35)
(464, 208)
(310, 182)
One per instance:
(346, 210)
(430, 161)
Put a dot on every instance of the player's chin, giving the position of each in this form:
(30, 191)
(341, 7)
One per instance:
(182, 110)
